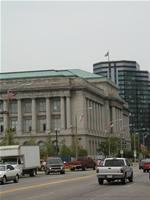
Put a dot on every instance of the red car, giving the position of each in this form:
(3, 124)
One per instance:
(146, 166)
(82, 164)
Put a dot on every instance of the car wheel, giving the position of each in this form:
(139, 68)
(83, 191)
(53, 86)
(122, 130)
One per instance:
(16, 180)
(100, 181)
(4, 180)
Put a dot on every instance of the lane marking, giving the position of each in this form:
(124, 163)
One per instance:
(44, 184)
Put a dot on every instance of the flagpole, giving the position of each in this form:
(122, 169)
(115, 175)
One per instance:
(108, 57)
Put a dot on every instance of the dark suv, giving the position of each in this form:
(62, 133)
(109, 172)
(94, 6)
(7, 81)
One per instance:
(54, 165)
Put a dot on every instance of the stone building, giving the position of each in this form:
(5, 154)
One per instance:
(76, 104)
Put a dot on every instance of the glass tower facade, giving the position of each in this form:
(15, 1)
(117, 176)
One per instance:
(134, 87)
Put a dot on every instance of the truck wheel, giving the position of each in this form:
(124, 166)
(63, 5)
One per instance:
(32, 173)
(47, 172)
(123, 180)
(100, 181)
(83, 168)
(4, 180)
(93, 167)
(16, 180)
(131, 178)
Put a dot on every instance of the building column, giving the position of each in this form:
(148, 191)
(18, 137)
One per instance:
(107, 117)
(48, 115)
(6, 116)
(68, 112)
(33, 115)
(19, 120)
(62, 113)
(114, 120)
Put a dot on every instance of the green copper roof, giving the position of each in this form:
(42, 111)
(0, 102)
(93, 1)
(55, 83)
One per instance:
(49, 73)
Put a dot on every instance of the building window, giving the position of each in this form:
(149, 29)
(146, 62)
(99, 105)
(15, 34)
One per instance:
(1, 127)
(13, 107)
(41, 125)
(27, 125)
(55, 122)
(27, 106)
(56, 105)
(41, 105)
(1, 105)
(13, 124)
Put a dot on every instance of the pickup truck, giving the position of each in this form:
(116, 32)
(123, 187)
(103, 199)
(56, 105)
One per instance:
(115, 169)
(82, 164)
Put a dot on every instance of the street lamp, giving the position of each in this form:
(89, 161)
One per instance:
(135, 146)
(57, 147)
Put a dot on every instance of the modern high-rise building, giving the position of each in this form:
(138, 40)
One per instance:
(134, 87)
(79, 105)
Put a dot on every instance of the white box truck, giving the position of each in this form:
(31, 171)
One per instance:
(25, 158)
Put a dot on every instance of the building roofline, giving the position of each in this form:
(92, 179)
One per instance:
(116, 61)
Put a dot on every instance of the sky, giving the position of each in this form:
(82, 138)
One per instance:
(41, 35)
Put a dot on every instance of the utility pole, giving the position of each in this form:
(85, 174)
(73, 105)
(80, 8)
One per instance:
(57, 148)
(76, 138)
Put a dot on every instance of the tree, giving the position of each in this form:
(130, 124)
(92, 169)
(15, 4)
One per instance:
(47, 149)
(8, 138)
(82, 152)
(110, 143)
(65, 150)
(31, 141)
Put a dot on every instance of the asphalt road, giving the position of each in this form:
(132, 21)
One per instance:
(76, 186)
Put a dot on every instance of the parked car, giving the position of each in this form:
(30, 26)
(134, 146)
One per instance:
(115, 169)
(141, 163)
(82, 164)
(8, 173)
(146, 165)
(54, 165)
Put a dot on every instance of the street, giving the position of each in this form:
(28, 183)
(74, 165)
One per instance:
(76, 186)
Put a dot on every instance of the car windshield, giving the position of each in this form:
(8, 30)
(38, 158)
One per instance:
(2, 168)
(114, 163)
(54, 161)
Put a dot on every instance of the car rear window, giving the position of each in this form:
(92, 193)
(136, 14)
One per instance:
(114, 163)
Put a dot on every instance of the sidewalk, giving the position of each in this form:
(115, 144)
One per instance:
(136, 169)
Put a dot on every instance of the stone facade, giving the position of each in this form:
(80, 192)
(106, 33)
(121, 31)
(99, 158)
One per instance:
(77, 108)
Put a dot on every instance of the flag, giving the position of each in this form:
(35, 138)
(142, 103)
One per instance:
(10, 94)
(107, 54)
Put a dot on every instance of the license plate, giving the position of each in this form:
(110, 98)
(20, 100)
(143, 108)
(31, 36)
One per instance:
(109, 176)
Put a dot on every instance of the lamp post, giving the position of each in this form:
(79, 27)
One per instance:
(57, 148)
(135, 152)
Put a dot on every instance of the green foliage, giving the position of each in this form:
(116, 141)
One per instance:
(113, 143)
(48, 149)
(65, 150)
(82, 152)
(31, 141)
(8, 138)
